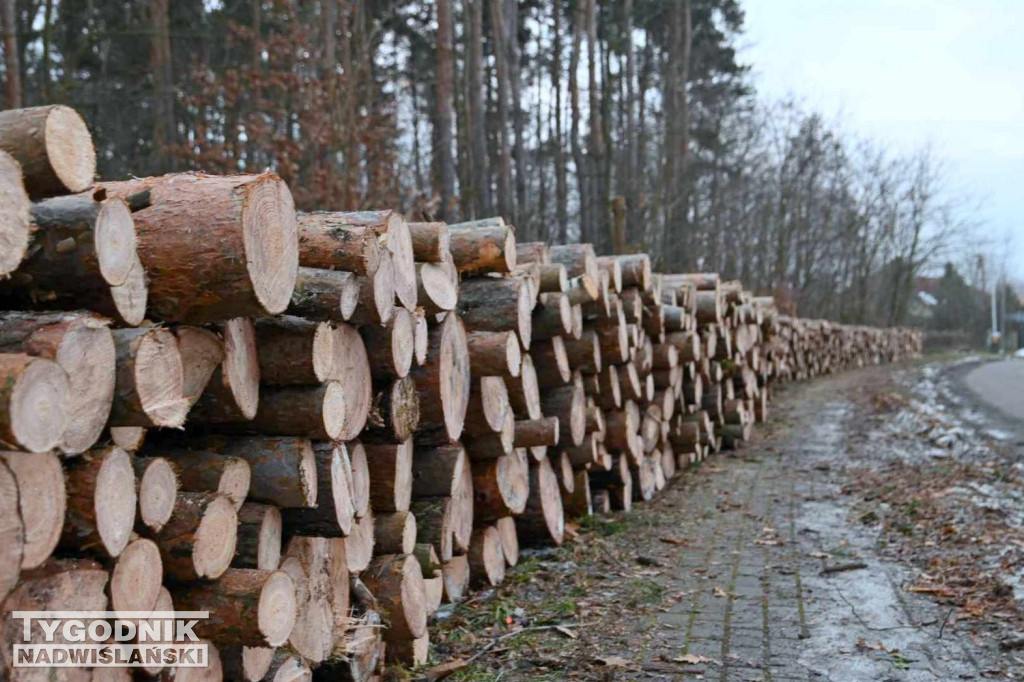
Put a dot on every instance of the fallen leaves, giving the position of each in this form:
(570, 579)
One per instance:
(719, 592)
(693, 659)
(614, 661)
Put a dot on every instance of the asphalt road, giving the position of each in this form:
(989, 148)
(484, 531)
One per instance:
(1001, 385)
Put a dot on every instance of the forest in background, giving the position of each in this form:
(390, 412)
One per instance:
(632, 124)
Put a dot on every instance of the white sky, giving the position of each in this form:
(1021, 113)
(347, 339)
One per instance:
(911, 72)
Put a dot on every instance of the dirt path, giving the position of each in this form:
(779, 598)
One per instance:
(727, 574)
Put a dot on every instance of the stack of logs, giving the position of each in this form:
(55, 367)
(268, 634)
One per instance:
(320, 427)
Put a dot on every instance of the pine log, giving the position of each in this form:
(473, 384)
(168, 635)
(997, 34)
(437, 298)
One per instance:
(325, 294)
(101, 502)
(157, 491)
(494, 353)
(584, 353)
(34, 402)
(390, 347)
(542, 521)
(553, 278)
(202, 352)
(351, 369)
(490, 444)
(83, 346)
(14, 215)
(568, 404)
(53, 146)
(233, 392)
(357, 651)
(491, 304)
(198, 542)
(552, 316)
(245, 606)
(40, 502)
(287, 667)
(334, 513)
(585, 453)
(314, 411)
(58, 585)
(551, 362)
(283, 469)
(360, 478)
(339, 586)
(488, 405)
(456, 578)
(532, 252)
(394, 533)
(578, 259)
(390, 468)
(205, 471)
(293, 351)
(583, 289)
(376, 302)
(435, 524)
(486, 558)
(483, 246)
(443, 382)
(437, 472)
(621, 429)
(395, 415)
(149, 389)
(237, 234)
(436, 292)
(128, 438)
(430, 241)
(393, 232)
(330, 242)
(500, 487)
(421, 342)
(259, 537)
(359, 544)
(397, 583)
(611, 265)
(524, 391)
(135, 582)
(578, 503)
(310, 564)
(629, 382)
(537, 432)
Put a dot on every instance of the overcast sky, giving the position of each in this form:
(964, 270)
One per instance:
(911, 72)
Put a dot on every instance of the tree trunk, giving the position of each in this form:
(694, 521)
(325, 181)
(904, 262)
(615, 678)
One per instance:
(41, 504)
(246, 606)
(101, 502)
(443, 84)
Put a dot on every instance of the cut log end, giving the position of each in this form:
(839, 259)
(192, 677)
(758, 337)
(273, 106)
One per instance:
(114, 500)
(158, 490)
(270, 235)
(135, 583)
(159, 379)
(115, 241)
(215, 539)
(277, 608)
(14, 215)
(69, 149)
(37, 397)
(41, 500)
(241, 367)
(12, 532)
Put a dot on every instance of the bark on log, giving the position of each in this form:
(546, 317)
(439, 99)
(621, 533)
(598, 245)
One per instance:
(435, 524)
(500, 487)
(314, 411)
(294, 351)
(524, 391)
(488, 405)
(578, 259)
(509, 539)
(357, 651)
(376, 303)
(237, 234)
(542, 522)
(246, 606)
(204, 471)
(334, 513)
(551, 362)
(53, 146)
(437, 472)
(532, 252)
(14, 215)
(568, 403)
(83, 346)
(34, 402)
(198, 542)
(283, 469)
(149, 389)
(430, 242)
(259, 537)
(611, 265)
(394, 533)
(233, 392)
(393, 233)
(39, 502)
(486, 558)
(397, 583)
(101, 502)
(390, 468)
(483, 246)
(553, 278)
(395, 415)
(330, 242)
(494, 353)
(390, 347)
(202, 352)
(325, 294)
(578, 503)
(491, 304)
(552, 316)
(584, 354)
(537, 432)
(443, 382)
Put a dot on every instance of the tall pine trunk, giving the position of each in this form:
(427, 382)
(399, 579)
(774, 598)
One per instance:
(481, 176)
(511, 35)
(561, 178)
(501, 71)
(12, 61)
(444, 77)
(574, 132)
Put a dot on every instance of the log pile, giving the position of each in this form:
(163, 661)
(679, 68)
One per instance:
(319, 427)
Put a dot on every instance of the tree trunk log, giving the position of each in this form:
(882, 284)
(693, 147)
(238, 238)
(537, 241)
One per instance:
(101, 502)
(486, 558)
(494, 353)
(325, 294)
(542, 522)
(488, 304)
(397, 583)
(14, 215)
(157, 491)
(34, 402)
(480, 248)
(330, 242)
(443, 382)
(430, 241)
(198, 542)
(390, 475)
(41, 502)
(334, 513)
(293, 351)
(135, 582)
(233, 392)
(394, 533)
(259, 537)
(149, 389)
(215, 247)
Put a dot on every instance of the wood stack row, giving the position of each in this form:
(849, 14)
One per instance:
(319, 427)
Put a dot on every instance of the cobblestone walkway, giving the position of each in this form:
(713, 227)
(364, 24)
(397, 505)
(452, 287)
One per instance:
(754, 602)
